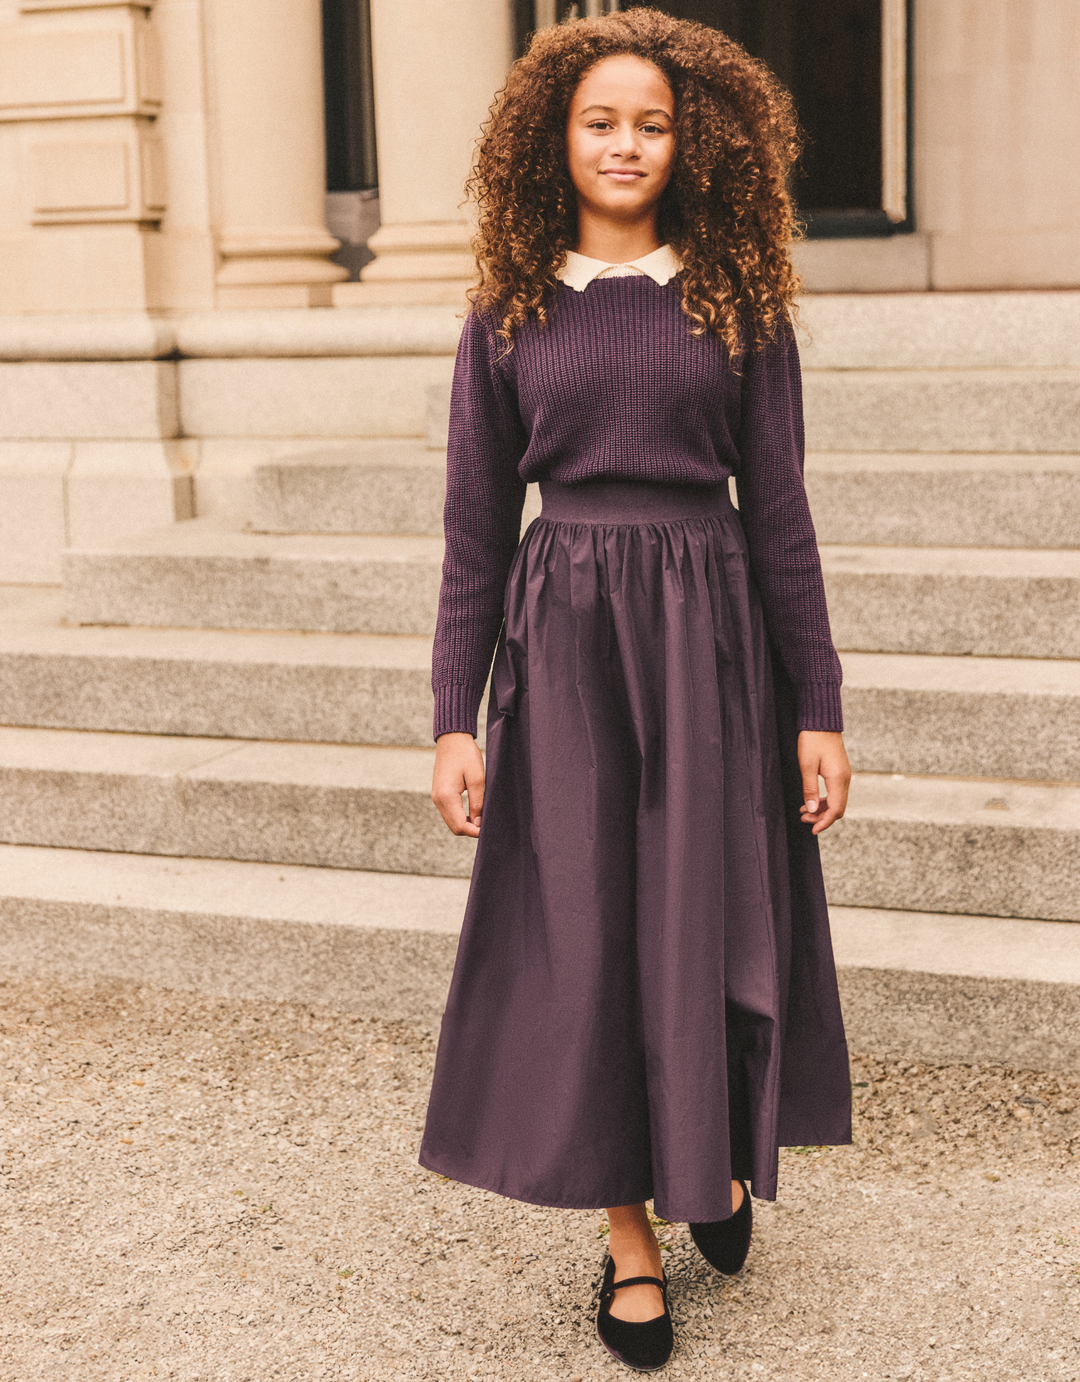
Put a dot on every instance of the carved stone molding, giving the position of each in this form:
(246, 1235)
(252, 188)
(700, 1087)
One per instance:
(79, 72)
(43, 6)
(108, 171)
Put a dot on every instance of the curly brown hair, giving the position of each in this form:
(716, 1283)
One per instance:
(726, 210)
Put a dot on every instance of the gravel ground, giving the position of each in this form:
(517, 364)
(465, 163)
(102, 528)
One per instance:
(224, 1189)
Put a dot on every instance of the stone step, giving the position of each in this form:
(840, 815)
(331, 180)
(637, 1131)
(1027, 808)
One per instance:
(356, 941)
(383, 486)
(938, 330)
(917, 410)
(199, 575)
(996, 717)
(945, 501)
(994, 602)
(208, 897)
(963, 716)
(872, 330)
(932, 844)
(393, 486)
(336, 806)
(922, 985)
(212, 683)
(972, 410)
(317, 396)
(992, 847)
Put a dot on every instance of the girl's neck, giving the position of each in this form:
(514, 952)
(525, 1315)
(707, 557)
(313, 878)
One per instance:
(615, 242)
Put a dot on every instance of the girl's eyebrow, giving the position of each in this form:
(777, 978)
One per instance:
(656, 111)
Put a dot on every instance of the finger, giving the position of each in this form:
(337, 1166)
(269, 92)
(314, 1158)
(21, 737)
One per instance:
(453, 813)
(838, 790)
(474, 785)
(448, 801)
(810, 785)
(834, 802)
(461, 824)
(827, 817)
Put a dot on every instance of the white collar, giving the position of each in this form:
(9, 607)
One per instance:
(579, 270)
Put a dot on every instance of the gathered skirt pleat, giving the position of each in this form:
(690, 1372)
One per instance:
(644, 1003)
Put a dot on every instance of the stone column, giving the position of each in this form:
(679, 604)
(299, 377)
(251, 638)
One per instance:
(997, 125)
(269, 165)
(435, 76)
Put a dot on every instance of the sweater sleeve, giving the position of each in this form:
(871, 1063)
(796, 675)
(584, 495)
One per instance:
(780, 532)
(481, 520)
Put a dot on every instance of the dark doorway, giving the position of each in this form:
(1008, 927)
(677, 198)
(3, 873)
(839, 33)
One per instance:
(349, 96)
(352, 175)
(828, 53)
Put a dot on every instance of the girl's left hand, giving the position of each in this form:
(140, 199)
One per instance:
(822, 754)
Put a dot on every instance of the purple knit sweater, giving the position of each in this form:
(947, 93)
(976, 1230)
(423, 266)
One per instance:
(616, 387)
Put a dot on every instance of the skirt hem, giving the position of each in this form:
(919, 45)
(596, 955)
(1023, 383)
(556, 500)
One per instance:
(478, 1183)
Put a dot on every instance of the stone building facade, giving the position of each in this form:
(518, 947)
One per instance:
(169, 155)
(164, 159)
(233, 254)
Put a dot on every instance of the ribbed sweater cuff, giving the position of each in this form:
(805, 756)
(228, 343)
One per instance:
(818, 705)
(456, 709)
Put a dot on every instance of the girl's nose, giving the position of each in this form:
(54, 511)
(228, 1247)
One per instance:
(624, 140)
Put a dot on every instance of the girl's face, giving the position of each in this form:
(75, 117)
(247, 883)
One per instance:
(620, 138)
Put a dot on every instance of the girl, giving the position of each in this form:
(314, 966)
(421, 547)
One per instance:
(644, 1003)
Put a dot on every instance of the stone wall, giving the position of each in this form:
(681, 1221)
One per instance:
(168, 154)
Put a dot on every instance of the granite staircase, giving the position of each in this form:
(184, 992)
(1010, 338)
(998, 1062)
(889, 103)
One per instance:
(217, 738)
(944, 477)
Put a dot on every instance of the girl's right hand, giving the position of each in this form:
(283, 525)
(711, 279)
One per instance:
(459, 767)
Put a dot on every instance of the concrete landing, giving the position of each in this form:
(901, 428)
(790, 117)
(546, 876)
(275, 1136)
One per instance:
(230, 1188)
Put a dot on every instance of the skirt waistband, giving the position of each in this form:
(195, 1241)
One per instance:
(631, 501)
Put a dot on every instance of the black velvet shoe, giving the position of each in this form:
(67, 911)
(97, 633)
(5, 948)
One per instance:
(642, 1344)
(724, 1244)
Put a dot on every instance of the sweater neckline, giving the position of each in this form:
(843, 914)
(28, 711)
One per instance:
(579, 270)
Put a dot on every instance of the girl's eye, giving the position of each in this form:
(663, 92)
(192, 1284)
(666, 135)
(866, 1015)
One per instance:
(603, 126)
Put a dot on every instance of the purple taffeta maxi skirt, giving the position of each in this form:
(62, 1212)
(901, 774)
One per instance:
(644, 1003)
